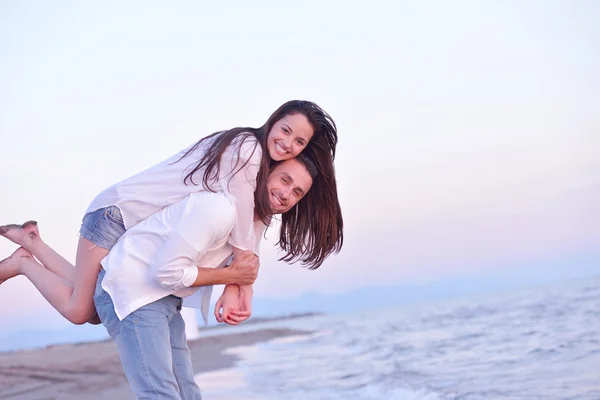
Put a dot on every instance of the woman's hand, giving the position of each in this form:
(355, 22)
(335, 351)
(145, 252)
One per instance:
(233, 303)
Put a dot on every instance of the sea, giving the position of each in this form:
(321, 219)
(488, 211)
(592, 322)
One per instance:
(540, 343)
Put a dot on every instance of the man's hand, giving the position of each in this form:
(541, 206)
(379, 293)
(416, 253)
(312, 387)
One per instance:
(244, 268)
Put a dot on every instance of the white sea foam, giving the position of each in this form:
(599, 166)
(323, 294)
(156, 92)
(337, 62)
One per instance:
(540, 343)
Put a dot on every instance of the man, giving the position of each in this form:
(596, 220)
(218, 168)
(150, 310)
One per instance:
(173, 258)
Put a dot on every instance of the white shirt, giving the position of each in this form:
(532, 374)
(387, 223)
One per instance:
(147, 192)
(160, 255)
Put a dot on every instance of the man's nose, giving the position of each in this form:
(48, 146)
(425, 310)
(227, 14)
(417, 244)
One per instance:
(285, 192)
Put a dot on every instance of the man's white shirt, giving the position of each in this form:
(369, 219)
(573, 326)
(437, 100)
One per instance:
(140, 196)
(159, 256)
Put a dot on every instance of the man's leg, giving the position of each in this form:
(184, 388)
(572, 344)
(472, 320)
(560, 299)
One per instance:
(182, 360)
(144, 345)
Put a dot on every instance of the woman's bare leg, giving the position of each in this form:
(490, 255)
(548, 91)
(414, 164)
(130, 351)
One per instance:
(28, 237)
(73, 298)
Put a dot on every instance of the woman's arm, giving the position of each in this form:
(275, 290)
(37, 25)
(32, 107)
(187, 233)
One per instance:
(238, 170)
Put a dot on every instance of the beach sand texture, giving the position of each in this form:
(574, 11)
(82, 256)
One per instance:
(90, 371)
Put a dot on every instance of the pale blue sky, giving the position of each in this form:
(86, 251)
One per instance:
(469, 132)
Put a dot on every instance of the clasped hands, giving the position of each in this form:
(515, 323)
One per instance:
(235, 304)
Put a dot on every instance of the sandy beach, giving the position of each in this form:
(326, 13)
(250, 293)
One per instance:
(93, 370)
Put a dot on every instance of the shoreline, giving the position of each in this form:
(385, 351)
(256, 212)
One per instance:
(92, 370)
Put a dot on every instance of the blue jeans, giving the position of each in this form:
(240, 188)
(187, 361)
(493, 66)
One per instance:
(152, 346)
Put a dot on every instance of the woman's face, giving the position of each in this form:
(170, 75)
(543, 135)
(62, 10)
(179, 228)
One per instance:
(289, 136)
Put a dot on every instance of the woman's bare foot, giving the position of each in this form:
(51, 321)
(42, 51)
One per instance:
(11, 266)
(23, 235)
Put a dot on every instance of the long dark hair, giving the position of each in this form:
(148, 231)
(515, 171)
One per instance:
(311, 231)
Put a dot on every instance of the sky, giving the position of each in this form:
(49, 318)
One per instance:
(469, 132)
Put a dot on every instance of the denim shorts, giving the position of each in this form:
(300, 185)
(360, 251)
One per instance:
(103, 227)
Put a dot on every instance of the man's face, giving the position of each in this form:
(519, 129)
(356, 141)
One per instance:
(287, 183)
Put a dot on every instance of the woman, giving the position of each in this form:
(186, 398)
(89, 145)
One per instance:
(235, 162)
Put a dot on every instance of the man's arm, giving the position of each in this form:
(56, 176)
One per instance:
(243, 271)
(206, 221)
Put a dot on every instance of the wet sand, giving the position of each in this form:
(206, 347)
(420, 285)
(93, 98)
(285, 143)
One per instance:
(91, 371)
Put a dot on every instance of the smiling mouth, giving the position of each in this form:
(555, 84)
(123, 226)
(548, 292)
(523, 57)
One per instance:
(277, 202)
(280, 149)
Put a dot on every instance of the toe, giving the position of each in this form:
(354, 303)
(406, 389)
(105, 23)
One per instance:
(6, 228)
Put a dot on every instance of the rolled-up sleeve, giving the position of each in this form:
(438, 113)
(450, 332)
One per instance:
(206, 219)
(175, 269)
